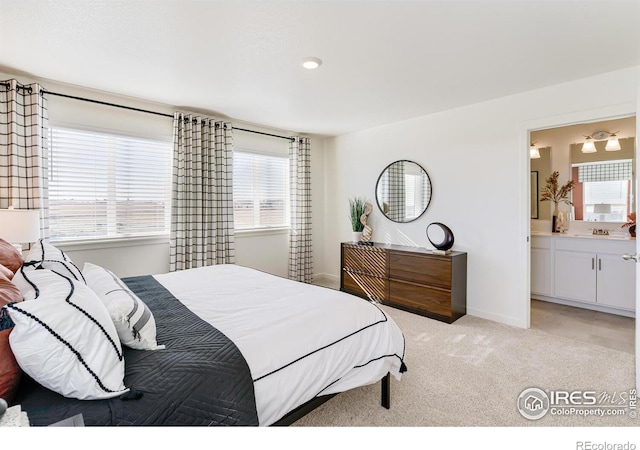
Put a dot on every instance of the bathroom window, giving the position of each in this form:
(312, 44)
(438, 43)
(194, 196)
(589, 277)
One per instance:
(603, 191)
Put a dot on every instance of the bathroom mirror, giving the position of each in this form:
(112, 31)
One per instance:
(540, 171)
(403, 191)
(604, 178)
(605, 182)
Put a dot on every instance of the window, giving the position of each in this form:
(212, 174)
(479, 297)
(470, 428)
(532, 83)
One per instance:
(415, 195)
(606, 201)
(107, 186)
(605, 190)
(260, 190)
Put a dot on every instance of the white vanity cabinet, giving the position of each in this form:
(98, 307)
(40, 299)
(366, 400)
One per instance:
(616, 282)
(587, 272)
(540, 267)
(575, 275)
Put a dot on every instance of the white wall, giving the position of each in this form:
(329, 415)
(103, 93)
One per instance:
(478, 160)
(264, 251)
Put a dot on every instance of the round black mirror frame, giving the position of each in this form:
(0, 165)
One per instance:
(448, 239)
(430, 191)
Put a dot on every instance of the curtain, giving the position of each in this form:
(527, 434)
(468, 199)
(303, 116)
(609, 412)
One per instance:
(426, 191)
(300, 254)
(24, 149)
(397, 192)
(610, 171)
(202, 193)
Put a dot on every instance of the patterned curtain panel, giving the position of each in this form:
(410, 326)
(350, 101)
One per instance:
(300, 254)
(426, 191)
(396, 186)
(202, 194)
(24, 149)
(614, 171)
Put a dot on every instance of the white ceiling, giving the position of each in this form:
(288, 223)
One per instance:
(384, 61)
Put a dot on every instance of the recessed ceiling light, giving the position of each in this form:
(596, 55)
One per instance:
(311, 62)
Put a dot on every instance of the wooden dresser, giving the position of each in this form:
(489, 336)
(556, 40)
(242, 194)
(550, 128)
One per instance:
(408, 278)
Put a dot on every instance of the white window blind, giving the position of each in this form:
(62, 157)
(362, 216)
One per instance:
(105, 186)
(260, 190)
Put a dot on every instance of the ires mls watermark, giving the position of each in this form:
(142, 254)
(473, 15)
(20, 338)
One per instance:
(535, 403)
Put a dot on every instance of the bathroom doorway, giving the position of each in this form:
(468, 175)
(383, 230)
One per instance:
(602, 199)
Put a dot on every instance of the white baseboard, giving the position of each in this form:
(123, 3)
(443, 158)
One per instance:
(507, 320)
(326, 276)
(593, 307)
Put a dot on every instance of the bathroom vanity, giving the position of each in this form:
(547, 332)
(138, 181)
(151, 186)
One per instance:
(584, 270)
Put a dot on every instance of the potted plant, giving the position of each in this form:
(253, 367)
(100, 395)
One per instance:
(356, 210)
(631, 223)
(556, 194)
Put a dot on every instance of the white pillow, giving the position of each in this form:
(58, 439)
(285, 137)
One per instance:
(133, 319)
(46, 256)
(25, 281)
(65, 339)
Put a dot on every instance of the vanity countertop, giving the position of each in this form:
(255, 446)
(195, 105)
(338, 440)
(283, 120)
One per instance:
(616, 236)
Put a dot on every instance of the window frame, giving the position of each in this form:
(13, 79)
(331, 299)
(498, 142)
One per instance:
(268, 229)
(90, 243)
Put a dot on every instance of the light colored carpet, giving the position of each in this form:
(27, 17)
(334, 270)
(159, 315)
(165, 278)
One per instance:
(471, 372)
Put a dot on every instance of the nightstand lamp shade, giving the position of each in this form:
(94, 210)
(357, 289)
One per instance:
(19, 226)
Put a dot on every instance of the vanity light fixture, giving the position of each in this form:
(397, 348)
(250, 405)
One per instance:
(311, 62)
(612, 144)
(588, 146)
(534, 153)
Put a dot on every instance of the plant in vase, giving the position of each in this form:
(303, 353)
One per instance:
(631, 223)
(555, 193)
(356, 210)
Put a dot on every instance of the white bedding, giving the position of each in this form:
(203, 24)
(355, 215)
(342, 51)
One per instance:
(299, 340)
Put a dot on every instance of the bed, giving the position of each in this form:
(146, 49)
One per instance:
(236, 346)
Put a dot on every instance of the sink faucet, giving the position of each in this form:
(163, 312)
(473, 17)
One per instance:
(601, 231)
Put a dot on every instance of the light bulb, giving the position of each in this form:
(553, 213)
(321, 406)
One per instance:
(588, 146)
(534, 153)
(612, 144)
(311, 62)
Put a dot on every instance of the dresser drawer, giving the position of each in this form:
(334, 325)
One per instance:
(423, 298)
(360, 258)
(409, 278)
(429, 270)
(367, 286)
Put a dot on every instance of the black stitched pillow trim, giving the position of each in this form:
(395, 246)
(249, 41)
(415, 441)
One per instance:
(68, 300)
(66, 267)
(69, 346)
(65, 259)
(35, 287)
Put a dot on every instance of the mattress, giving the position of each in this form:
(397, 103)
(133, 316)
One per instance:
(242, 347)
(299, 340)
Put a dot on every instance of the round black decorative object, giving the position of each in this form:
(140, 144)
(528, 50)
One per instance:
(446, 242)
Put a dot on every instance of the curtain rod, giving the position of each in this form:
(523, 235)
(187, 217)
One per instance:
(152, 112)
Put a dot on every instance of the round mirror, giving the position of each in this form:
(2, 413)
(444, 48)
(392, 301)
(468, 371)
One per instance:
(403, 191)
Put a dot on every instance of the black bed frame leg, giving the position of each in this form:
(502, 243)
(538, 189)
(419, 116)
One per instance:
(386, 391)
